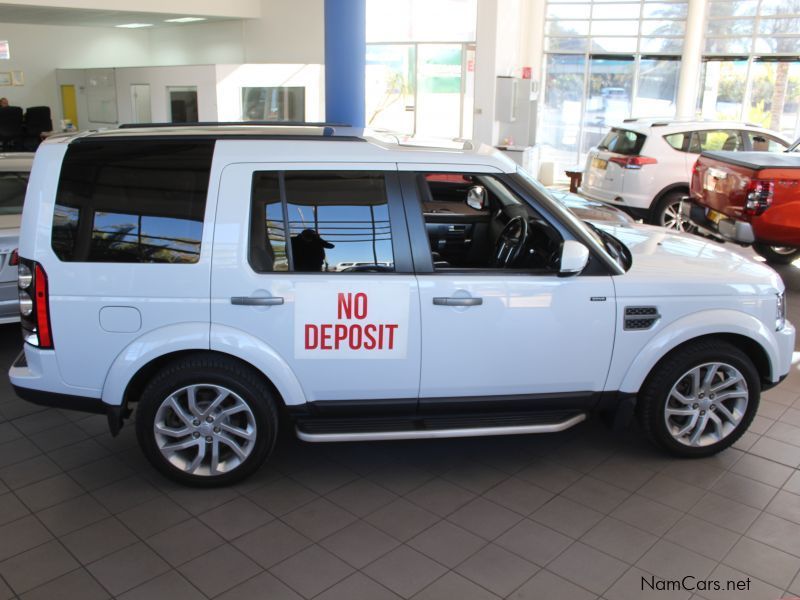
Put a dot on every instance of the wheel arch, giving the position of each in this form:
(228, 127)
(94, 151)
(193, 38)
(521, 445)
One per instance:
(754, 350)
(143, 357)
(673, 187)
(740, 329)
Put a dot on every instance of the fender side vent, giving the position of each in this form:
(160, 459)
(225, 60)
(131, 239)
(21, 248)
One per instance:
(638, 318)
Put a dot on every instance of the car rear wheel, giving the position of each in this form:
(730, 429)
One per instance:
(206, 421)
(668, 213)
(777, 255)
(700, 399)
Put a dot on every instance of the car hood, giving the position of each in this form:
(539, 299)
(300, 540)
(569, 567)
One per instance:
(677, 264)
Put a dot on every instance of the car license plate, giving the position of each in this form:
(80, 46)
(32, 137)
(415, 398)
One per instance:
(714, 216)
(599, 163)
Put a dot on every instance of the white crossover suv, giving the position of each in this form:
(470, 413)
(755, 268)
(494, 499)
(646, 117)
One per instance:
(193, 273)
(645, 165)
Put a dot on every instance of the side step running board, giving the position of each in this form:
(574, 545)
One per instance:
(415, 434)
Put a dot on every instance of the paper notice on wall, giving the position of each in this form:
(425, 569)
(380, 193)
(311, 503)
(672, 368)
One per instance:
(5, 50)
(360, 321)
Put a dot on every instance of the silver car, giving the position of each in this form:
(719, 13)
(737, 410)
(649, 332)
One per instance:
(14, 170)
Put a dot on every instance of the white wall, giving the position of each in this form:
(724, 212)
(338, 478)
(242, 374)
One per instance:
(38, 50)
(289, 31)
(197, 44)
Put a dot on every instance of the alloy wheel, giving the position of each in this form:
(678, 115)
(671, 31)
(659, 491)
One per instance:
(706, 404)
(205, 429)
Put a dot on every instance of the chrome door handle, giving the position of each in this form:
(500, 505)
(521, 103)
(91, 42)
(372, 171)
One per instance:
(457, 301)
(255, 301)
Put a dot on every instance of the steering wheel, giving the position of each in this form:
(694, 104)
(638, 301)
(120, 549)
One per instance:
(512, 240)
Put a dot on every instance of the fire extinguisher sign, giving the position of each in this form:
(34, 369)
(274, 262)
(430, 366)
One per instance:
(359, 321)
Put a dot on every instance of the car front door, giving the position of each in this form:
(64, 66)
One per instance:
(314, 262)
(507, 334)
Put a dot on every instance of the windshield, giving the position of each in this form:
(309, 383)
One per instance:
(566, 216)
(12, 192)
(794, 147)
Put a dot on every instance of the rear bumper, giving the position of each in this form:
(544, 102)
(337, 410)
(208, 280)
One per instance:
(637, 212)
(728, 229)
(34, 387)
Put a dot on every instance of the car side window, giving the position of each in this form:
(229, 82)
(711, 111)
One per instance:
(716, 139)
(679, 141)
(320, 222)
(476, 222)
(761, 142)
(132, 201)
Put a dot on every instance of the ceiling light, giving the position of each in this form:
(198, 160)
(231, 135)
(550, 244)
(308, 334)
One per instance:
(185, 20)
(134, 25)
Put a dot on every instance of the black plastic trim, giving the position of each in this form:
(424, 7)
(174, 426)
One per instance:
(235, 124)
(165, 137)
(65, 401)
(451, 406)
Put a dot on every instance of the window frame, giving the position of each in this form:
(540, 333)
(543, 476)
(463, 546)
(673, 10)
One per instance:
(420, 244)
(401, 250)
(85, 227)
(735, 130)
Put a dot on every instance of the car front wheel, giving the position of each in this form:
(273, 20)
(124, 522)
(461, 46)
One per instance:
(206, 421)
(700, 399)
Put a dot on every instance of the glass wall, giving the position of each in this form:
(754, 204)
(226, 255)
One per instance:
(751, 70)
(606, 61)
(420, 66)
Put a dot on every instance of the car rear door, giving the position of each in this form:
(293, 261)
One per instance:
(284, 237)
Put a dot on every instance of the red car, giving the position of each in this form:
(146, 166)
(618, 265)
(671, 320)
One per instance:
(749, 198)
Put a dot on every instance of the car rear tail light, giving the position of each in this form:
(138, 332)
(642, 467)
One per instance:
(632, 162)
(14, 260)
(759, 196)
(34, 303)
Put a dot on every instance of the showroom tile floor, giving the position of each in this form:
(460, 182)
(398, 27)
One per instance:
(583, 514)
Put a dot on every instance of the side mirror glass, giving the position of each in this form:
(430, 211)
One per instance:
(574, 257)
(476, 197)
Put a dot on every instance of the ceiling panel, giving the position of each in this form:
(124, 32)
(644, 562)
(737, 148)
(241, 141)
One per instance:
(39, 15)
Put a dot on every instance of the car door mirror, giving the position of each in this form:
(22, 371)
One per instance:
(574, 257)
(476, 197)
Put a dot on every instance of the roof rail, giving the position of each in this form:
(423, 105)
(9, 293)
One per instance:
(234, 124)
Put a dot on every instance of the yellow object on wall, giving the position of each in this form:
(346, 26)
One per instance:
(69, 105)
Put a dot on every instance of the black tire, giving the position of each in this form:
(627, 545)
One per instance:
(653, 396)
(208, 369)
(777, 255)
(659, 215)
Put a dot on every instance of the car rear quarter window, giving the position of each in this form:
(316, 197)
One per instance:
(623, 141)
(679, 141)
(132, 201)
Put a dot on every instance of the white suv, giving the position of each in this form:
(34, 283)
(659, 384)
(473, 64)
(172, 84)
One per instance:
(193, 273)
(645, 165)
